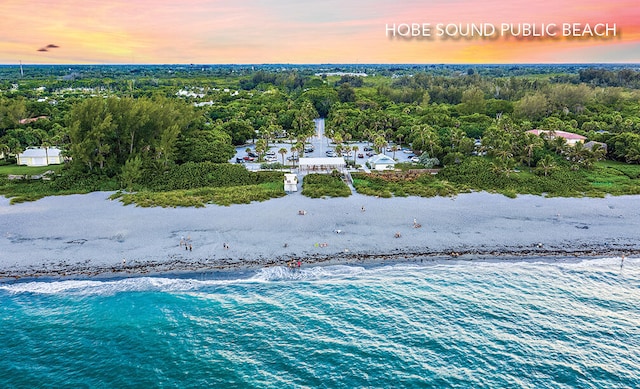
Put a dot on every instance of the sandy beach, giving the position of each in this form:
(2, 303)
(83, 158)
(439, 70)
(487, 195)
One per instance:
(90, 235)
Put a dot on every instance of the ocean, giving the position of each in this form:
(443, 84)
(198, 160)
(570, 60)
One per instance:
(459, 324)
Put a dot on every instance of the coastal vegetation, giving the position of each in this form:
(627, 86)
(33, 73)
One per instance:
(403, 184)
(477, 174)
(325, 185)
(199, 197)
(152, 130)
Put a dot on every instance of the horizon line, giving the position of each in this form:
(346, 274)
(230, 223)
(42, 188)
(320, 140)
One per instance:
(322, 64)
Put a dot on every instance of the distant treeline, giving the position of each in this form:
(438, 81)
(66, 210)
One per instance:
(128, 122)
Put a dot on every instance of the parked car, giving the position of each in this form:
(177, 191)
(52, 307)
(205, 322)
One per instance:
(369, 153)
(331, 153)
(271, 154)
(407, 151)
(239, 160)
(271, 158)
(415, 159)
(367, 148)
(293, 158)
(360, 155)
(309, 150)
(252, 154)
(248, 158)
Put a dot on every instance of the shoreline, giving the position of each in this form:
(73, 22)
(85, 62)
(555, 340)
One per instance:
(89, 236)
(228, 265)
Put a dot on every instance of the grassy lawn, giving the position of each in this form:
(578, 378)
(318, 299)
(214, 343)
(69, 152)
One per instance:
(28, 170)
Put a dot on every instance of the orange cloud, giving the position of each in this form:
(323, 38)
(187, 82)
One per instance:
(277, 31)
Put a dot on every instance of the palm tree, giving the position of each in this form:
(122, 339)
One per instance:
(355, 149)
(399, 137)
(598, 151)
(578, 154)
(261, 148)
(532, 142)
(282, 152)
(455, 136)
(45, 144)
(337, 139)
(380, 143)
(17, 151)
(504, 150)
(297, 147)
(4, 150)
(559, 144)
(394, 148)
(546, 164)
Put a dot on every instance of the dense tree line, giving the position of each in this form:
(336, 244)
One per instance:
(105, 134)
(129, 121)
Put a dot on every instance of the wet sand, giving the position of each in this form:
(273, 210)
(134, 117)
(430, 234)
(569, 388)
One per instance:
(91, 236)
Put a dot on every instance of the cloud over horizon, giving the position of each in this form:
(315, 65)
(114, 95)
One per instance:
(284, 31)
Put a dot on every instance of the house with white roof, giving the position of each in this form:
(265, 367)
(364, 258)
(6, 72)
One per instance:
(570, 137)
(381, 162)
(40, 156)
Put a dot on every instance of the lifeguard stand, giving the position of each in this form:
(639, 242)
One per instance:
(290, 182)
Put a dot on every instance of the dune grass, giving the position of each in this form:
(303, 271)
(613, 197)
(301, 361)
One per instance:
(324, 185)
(200, 197)
(605, 178)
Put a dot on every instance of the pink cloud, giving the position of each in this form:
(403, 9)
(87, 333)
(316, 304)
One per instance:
(166, 31)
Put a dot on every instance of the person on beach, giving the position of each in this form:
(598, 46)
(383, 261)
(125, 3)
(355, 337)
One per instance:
(362, 209)
(190, 247)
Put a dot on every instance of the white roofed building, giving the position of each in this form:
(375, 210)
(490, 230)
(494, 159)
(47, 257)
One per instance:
(381, 162)
(40, 156)
(318, 165)
(570, 137)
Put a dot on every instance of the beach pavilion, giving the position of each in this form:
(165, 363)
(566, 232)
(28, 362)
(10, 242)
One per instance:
(321, 165)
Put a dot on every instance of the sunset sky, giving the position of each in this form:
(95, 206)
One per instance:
(303, 31)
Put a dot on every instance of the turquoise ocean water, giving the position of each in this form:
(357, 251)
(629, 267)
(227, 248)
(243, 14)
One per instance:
(469, 324)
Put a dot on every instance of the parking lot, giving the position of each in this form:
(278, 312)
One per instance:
(317, 146)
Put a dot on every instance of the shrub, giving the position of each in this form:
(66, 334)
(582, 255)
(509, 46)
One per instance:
(323, 185)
